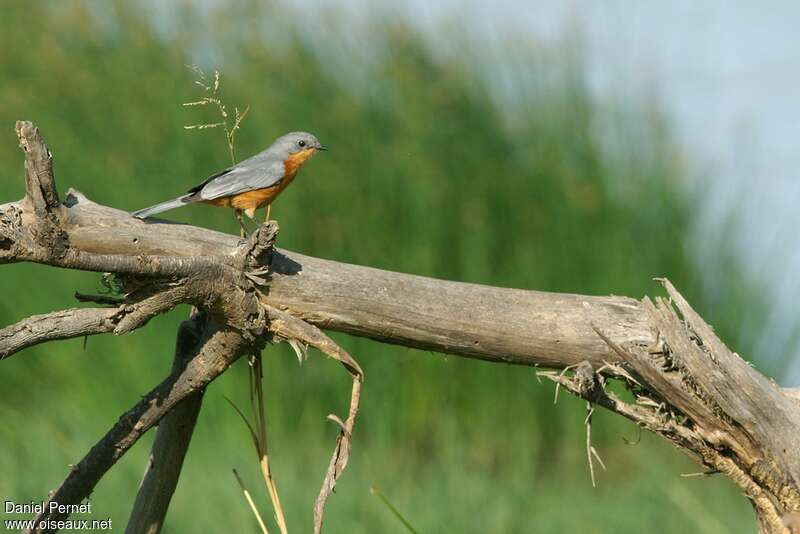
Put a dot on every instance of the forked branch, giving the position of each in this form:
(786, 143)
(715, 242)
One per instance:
(686, 385)
(218, 349)
(172, 439)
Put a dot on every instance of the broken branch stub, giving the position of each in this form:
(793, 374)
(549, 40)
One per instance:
(687, 386)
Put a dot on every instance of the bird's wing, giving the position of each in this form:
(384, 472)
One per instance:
(258, 172)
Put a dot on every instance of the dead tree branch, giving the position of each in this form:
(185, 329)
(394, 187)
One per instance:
(63, 324)
(218, 349)
(172, 440)
(688, 387)
(695, 392)
(227, 287)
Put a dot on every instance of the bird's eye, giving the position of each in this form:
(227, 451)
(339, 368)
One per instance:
(301, 143)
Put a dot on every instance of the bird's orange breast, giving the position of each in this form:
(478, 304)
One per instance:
(253, 200)
(294, 161)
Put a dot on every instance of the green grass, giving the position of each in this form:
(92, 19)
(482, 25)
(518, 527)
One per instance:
(553, 190)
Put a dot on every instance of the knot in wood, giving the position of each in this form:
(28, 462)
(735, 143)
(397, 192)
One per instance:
(256, 251)
(585, 379)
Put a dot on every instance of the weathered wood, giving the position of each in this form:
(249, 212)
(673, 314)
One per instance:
(497, 324)
(688, 387)
(64, 324)
(40, 183)
(171, 442)
(218, 349)
(122, 318)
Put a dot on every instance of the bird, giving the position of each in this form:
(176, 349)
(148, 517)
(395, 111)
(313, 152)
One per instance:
(252, 183)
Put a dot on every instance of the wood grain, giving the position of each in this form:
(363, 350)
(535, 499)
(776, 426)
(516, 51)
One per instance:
(685, 385)
(497, 324)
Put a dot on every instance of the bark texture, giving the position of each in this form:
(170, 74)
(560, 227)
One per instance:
(172, 440)
(688, 387)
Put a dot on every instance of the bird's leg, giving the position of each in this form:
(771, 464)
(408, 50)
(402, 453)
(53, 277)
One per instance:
(243, 230)
(269, 209)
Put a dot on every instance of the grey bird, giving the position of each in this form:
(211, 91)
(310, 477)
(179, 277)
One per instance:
(252, 183)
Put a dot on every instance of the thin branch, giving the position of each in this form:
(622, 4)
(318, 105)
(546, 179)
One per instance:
(171, 442)
(80, 322)
(110, 300)
(341, 453)
(218, 350)
(64, 324)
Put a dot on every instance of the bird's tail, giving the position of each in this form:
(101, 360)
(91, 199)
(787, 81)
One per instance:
(164, 206)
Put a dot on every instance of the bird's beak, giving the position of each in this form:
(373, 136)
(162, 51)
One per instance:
(322, 147)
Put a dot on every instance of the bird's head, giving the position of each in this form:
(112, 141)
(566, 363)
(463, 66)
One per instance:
(297, 143)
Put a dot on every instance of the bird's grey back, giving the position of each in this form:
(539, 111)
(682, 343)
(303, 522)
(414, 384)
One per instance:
(265, 169)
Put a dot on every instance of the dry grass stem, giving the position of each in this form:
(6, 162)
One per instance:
(251, 503)
(257, 401)
(211, 97)
(258, 434)
(286, 327)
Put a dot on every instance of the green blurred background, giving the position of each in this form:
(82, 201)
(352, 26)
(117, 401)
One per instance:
(439, 166)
